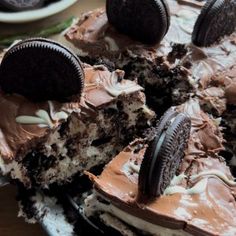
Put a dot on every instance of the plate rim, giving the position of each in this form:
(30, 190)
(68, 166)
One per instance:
(33, 15)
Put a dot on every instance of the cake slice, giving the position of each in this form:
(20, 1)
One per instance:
(200, 200)
(49, 141)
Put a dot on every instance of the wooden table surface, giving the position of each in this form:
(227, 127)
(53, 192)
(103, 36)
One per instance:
(10, 224)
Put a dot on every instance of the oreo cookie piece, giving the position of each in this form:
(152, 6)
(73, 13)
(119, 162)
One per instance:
(41, 69)
(21, 5)
(217, 19)
(146, 21)
(164, 154)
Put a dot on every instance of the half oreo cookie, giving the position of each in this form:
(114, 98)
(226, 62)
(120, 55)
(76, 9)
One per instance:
(146, 21)
(165, 153)
(21, 5)
(217, 19)
(41, 69)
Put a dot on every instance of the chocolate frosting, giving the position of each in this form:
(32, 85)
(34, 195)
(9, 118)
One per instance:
(208, 61)
(24, 124)
(201, 200)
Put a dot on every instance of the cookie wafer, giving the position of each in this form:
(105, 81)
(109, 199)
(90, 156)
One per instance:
(163, 156)
(41, 69)
(217, 19)
(146, 21)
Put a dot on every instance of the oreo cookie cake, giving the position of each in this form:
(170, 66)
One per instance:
(159, 186)
(174, 180)
(59, 116)
(187, 191)
(199, 46)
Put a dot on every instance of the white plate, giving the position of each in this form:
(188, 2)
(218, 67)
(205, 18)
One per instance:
(28, 16)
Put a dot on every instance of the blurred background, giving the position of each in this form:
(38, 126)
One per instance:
(10, 224)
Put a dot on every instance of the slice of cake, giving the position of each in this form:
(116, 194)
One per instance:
(43, 142)
(200, 200)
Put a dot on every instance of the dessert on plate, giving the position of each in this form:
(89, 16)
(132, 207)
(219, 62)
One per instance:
(172, 182)
(60, 117)
(175, 178)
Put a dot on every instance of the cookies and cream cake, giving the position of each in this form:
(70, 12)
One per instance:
(177, 178)
(47, 141)
(198, 47)
(200, 199)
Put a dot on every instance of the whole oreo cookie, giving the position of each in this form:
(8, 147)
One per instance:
(146, 21)
(217, 19)
(164, 154)
(41, 69)
(21, 5)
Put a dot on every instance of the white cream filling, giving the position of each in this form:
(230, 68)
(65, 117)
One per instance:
(42, 118)
(93, 206)
(14, 168)
(116, 224)
(186, 20)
